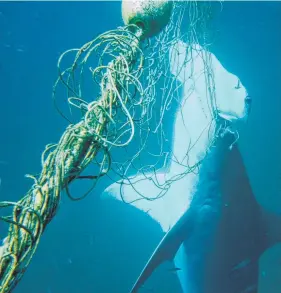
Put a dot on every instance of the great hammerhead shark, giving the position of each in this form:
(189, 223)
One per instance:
(215, 229)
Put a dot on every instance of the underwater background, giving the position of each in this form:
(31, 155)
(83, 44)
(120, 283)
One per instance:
(96, 246)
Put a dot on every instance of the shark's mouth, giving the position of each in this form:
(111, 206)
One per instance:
(228, 117)
(232, 118)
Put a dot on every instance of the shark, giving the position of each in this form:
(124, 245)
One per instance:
(215, 230)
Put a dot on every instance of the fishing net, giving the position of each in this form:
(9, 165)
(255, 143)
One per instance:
(133, 78)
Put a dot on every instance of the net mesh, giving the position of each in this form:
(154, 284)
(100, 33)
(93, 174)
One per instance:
(135, 91)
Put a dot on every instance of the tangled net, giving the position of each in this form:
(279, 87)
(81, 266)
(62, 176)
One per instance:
(123, 111)
(163, 94)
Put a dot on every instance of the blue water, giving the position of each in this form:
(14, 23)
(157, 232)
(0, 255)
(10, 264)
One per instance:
(92, 246)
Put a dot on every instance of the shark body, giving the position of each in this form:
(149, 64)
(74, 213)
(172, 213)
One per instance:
(195, 211)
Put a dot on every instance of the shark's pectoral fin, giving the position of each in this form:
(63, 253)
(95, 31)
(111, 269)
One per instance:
(167, 248)
(171, 211)
(141, 192)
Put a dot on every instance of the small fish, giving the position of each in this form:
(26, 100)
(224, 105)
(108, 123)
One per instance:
(174, 269)
(240, 268)
(241, 265)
